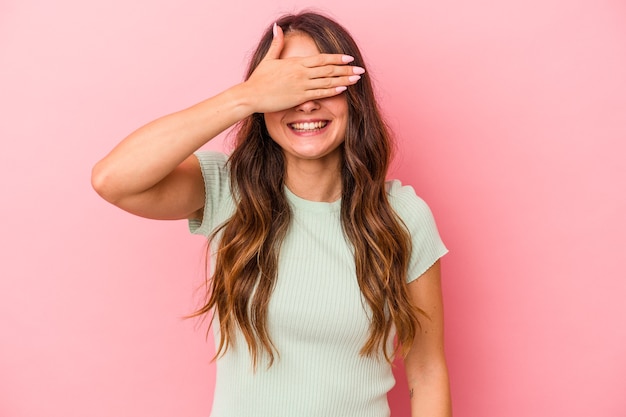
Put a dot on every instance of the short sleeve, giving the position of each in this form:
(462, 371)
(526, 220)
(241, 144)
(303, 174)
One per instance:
(417, 216)
(218, 202)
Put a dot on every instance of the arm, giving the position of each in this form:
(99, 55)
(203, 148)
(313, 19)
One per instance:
(425, 363)
(152, 173)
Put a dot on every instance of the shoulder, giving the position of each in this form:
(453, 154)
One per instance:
(411, 209)
(212, 158)
(405, 201)
(214, 167)
(218, 201)
(427, 246)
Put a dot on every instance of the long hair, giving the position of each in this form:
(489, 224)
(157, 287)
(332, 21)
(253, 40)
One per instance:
(249, 242)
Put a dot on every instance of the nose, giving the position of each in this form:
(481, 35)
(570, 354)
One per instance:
(308, 106)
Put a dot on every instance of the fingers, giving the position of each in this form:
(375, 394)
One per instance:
(281, 83)
(335, 71)
(329, 71)
(329, 86)
(330, 80)
(277, 43)
(330, 83)
(322, 93)
(326, 59)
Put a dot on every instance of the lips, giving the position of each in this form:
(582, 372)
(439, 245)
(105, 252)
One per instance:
(304, 127)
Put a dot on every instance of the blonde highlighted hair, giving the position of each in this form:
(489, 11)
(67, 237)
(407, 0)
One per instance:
(249, 246)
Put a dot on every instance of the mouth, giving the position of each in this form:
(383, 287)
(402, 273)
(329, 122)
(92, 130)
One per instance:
(307, 127)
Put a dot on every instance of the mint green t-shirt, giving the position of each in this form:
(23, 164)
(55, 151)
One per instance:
(317, 317)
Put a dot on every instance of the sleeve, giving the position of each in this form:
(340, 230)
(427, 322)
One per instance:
(218, 198)
(417, 216)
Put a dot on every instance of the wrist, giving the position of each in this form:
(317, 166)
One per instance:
(242, 100)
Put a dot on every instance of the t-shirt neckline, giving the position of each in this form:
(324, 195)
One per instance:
(308, 205)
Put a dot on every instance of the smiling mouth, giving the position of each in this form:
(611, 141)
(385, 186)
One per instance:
(308, 126)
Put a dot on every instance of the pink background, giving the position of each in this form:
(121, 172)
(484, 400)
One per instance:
(511, 117)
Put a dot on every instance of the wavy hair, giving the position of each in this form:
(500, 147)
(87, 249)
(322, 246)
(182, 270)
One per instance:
(249, 245)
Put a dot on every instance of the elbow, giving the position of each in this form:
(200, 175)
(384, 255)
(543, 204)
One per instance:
(102, 183)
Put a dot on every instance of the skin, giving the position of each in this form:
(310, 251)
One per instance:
(313, 157)
(425, 363)
(153, 173)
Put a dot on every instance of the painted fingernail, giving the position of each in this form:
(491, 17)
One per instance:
(347, 58)
(274, 30)
(341, 89)
(354, 78)
(358, 70)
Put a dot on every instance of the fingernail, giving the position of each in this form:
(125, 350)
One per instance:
(274, 30)
(358, 70)
(341, 89)
(354, 78)
(347, 58)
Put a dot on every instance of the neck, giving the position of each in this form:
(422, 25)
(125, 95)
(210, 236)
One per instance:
(314, 181)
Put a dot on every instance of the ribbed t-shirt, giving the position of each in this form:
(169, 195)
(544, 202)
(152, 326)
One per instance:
(317, 317)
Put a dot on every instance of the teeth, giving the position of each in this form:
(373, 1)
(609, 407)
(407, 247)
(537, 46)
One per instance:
(308, 125)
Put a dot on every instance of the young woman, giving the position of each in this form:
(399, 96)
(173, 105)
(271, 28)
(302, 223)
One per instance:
(315, 258)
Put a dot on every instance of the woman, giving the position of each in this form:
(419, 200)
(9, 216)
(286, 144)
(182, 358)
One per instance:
(314, 256)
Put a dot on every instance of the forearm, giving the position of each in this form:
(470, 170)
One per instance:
(153, 151)
(425, 363)
(430, 393)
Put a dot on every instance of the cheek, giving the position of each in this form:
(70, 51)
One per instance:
(269, 119)
(272, 122)
(342, 114)
(339, 107)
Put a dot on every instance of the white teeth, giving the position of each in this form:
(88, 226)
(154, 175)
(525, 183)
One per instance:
(308, 125)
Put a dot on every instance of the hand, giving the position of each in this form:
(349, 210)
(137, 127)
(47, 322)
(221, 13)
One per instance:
(279, 84)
